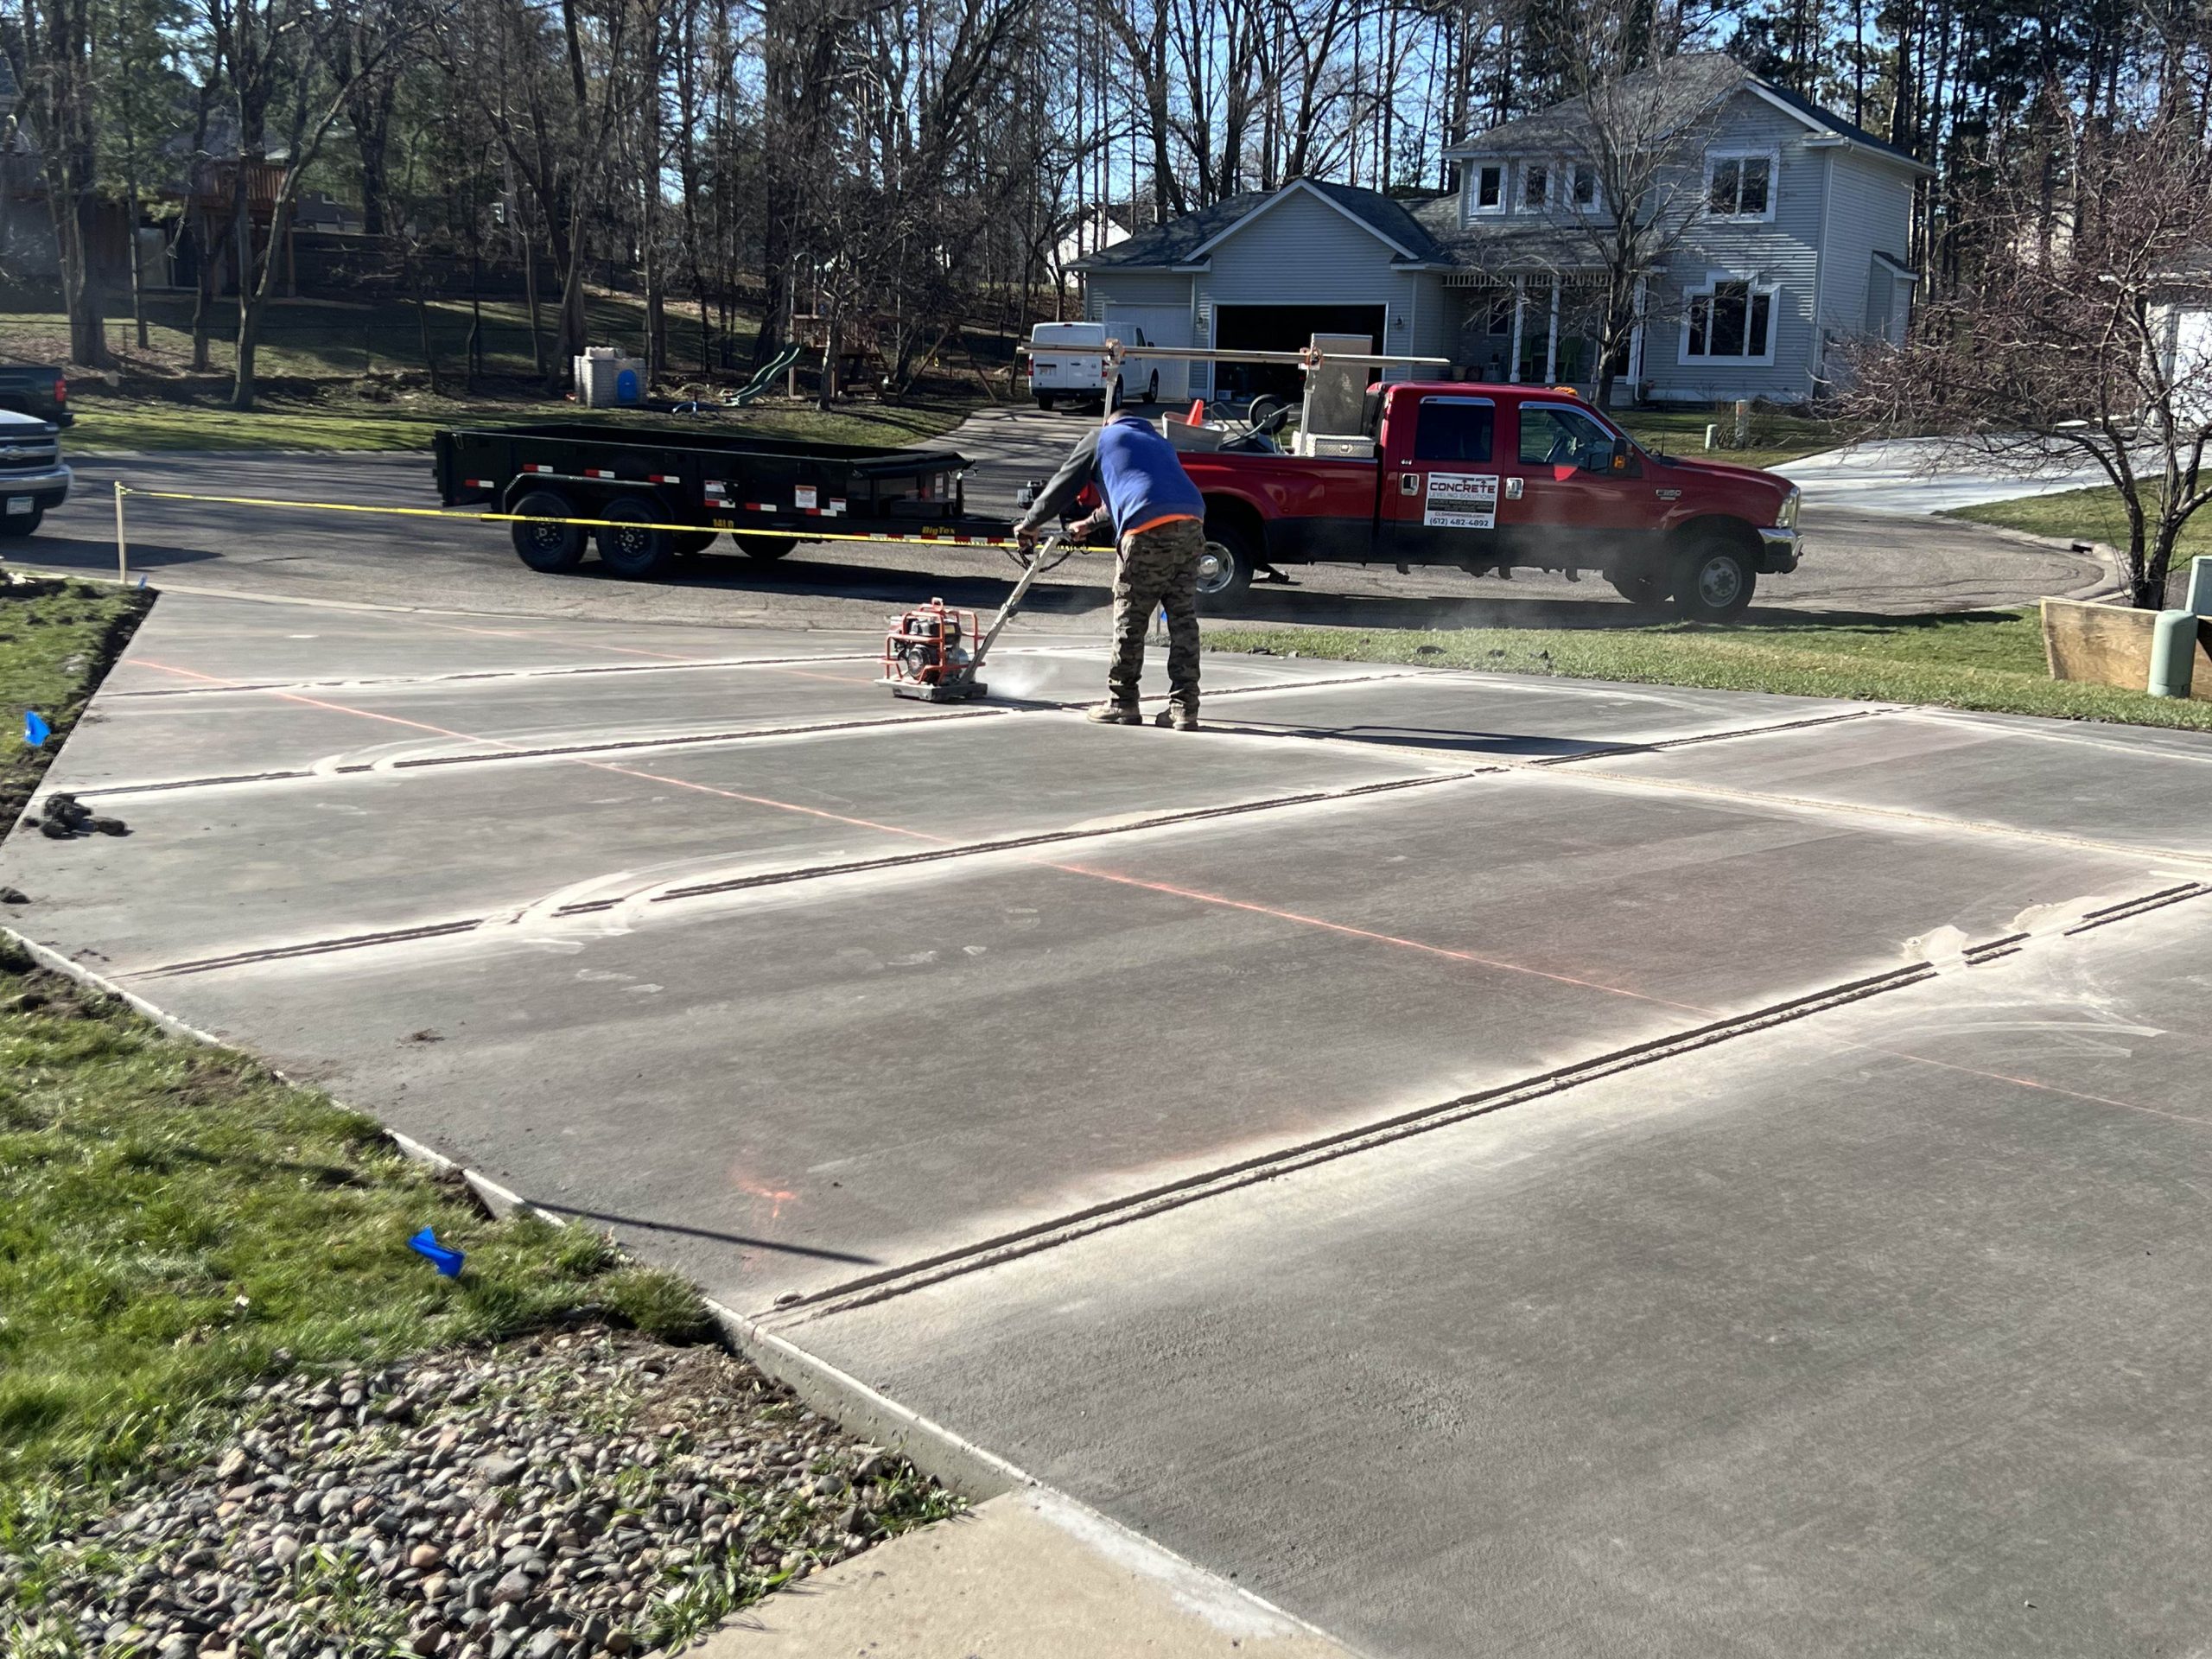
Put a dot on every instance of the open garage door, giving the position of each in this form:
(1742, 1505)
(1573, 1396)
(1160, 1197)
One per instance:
(1163, 325)
(1281, 328)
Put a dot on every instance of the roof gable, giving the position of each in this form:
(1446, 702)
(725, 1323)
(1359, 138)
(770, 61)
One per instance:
(1191, 238)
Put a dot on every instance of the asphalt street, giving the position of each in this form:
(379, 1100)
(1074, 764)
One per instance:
(1858, 562)
(1488, 1166)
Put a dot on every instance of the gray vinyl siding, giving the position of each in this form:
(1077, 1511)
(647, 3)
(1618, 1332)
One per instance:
(1300, 252)
(1436, 321)
(1869, 212)
(1131, 288)
(1783, 251)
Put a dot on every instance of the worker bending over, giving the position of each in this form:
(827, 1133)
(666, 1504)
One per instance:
(1159, 520)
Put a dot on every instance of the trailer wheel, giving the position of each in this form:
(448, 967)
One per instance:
(550, 548)
(1225, 567)
(693, 541)
(766, 548)
(627, 547)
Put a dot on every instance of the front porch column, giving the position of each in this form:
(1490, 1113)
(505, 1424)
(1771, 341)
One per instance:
(1520, 303)
(1551, 342)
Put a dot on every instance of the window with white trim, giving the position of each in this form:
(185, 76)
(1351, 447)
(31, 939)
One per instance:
(1583, 191)
(1535, 184)
(1739, 184)
(1486, 188)
(1729, 319)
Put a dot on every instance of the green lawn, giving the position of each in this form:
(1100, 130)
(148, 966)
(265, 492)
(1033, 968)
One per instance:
(1991, 661)
(176, 1222)
(2090, 515)
(1776, 437)
(57, 639)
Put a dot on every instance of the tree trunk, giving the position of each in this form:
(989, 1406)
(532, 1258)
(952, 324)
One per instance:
(422, 327)
(203, 256)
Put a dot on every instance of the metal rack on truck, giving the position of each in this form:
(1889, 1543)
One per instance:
(662, 492)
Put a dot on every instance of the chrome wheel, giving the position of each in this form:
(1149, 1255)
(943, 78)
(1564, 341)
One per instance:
(1217, 570)
(1720, 580)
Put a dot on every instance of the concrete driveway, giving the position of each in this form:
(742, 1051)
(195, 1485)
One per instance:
(1858, 562)
(1492, 1166)
(1921, 475)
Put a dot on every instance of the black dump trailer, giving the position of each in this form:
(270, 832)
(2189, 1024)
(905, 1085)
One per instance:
(644, 479)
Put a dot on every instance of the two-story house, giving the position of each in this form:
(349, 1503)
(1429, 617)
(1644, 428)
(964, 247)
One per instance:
(1775, 229)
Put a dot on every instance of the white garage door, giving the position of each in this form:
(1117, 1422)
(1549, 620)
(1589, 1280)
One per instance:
(1163, 325)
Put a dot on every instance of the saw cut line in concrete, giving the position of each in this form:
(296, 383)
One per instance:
(553, 752)
(1695, 738)
(882, 1287)
(2126, 908)
(875, 1287)
(1861, 810)
(470, 676)
(457, 925)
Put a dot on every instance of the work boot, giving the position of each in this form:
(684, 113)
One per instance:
(1110, 713)
(1176, 715)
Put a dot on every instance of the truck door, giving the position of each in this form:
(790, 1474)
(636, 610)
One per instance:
(1572, 490)
(1440, 481)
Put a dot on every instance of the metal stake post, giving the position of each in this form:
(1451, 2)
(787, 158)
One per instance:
(122, 546)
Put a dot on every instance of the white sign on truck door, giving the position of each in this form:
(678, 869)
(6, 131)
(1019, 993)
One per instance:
(1461, 501)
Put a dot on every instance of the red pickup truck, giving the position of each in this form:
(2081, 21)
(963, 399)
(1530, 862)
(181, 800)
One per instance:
(1489, 478)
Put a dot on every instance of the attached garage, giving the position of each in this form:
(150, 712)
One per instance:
(1282, 329)
(1163, 325)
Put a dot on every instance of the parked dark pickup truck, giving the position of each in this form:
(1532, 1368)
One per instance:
(42, 392)
(33, 480)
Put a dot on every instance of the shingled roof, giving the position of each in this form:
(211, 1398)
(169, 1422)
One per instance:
(1180, 242)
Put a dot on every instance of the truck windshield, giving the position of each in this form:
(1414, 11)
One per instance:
(1454, 428)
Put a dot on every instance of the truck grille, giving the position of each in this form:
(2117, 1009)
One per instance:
(28, 455)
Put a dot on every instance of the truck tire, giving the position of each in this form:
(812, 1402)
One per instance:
(1641, 590)
(23, 523)
(628, 547)
(766, 548)
(1151, 388)
(693, 541)
(1226, 566)
(1045, 401)
(1713, 580)
(550, 548)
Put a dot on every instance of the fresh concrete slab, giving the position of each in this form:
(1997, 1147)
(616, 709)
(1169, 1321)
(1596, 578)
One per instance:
(2071, 781)
(1495, 1165)
(1026, 1574)
(782, 1086)
(270, 866)
(1875, 1334)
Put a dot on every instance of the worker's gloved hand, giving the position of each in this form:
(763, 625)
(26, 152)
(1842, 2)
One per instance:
(1025, 537)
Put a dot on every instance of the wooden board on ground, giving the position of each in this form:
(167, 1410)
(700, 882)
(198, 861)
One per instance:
(2110, 645)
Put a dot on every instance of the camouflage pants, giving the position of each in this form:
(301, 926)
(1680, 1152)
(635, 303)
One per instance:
(1157, 566)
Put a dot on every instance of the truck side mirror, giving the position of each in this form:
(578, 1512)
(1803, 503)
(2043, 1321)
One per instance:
(1620, 455)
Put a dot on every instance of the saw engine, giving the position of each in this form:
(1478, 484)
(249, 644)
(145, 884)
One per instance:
(930, 654)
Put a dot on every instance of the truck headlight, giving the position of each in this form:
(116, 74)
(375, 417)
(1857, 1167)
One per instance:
(1786, 518)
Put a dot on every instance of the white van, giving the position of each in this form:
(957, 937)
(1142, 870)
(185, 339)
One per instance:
(1067, 364)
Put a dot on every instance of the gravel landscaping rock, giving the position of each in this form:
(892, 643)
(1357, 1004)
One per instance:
(568, 1495)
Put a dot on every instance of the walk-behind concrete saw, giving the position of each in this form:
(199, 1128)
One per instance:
(935, 653)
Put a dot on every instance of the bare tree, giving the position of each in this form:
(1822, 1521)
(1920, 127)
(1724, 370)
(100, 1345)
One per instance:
(58, 38)
(2071, 340)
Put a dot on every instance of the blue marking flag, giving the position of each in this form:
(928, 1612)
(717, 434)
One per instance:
(35, 730)
(447, 1261)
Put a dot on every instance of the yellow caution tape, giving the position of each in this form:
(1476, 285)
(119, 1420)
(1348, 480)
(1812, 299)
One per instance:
(925, 538)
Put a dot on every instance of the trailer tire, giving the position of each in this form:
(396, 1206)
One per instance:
(766, 548)
(1045, 401)
(628, 547)
(693, 541)
(548, 548)
(1225, 567)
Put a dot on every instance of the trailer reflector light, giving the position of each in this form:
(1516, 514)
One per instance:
(535, 467)
(663, 478)
(597, 471)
